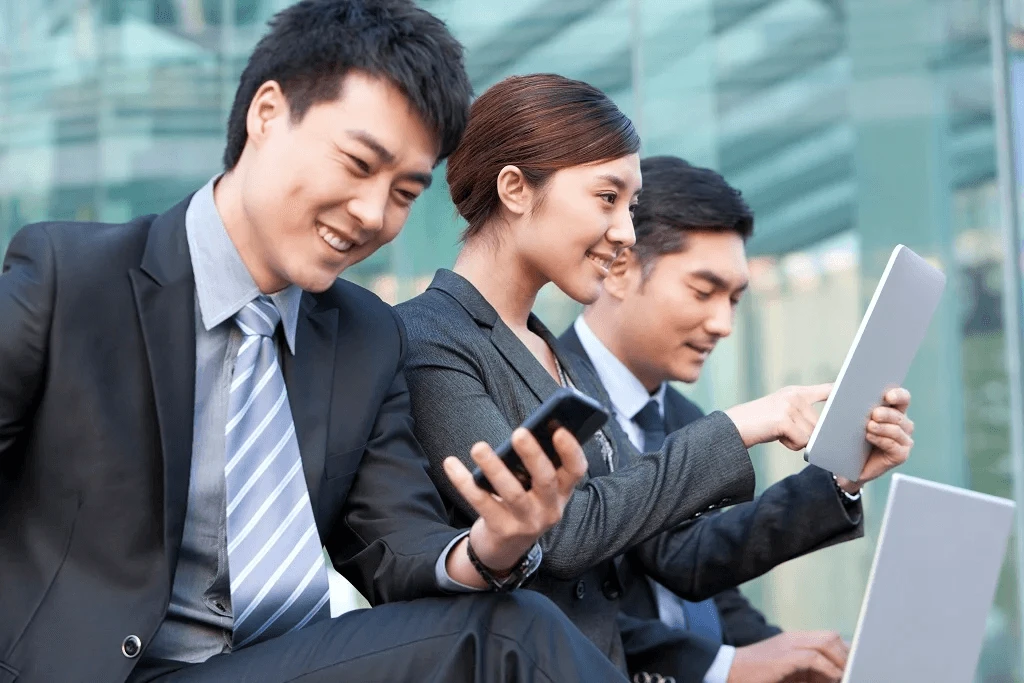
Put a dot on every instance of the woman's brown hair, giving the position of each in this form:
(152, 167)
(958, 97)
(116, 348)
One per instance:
(539, 123)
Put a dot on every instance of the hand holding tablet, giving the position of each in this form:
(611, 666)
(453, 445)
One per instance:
(878, 360)
(863, 430)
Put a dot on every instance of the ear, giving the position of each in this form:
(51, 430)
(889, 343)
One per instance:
(624, 276)
(514, 191)
(268, 109)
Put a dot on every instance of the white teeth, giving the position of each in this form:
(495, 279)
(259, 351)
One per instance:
(336, 242)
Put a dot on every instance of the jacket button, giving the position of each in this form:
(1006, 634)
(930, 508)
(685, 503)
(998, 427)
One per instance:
(131, 647)
(581, 590)
(610, 590)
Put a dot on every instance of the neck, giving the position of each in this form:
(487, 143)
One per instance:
(602, 320)
(227, 197)
(500, 275)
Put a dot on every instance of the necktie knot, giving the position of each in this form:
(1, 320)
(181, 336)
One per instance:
(259, 317)
(649, 417)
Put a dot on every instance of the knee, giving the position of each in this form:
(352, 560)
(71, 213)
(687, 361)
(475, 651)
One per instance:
(528, 614)
(536, 603)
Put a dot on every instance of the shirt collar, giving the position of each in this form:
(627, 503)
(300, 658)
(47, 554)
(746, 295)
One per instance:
(223, 283)
(627, 393)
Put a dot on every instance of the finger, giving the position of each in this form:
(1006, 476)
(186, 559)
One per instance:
(809, 414)
(537, 463)
(834, 649)
(504, 482)
(816, 393)
(897, 398)
(574, 460)
(888, 415)
(885, 455)
(892, 432)
(460, 476)
(814, 662)
(797, 432)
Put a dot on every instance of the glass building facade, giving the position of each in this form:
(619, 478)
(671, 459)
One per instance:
(849, 125)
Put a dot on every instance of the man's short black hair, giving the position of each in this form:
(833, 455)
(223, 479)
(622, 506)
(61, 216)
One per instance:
(679, 198)
(314, 43)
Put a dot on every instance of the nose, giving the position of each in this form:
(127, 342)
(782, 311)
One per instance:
(719, 323)
(369, 206)
(621, 231)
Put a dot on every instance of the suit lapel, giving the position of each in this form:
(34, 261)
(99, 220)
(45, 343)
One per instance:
(522, 361)
(512, 349)
(309, 377)
(164, 290)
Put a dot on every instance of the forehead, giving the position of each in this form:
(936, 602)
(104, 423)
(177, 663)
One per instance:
(722, 253)
(625, 169)
(377, 108)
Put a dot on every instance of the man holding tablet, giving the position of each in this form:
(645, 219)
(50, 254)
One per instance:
(666, 303)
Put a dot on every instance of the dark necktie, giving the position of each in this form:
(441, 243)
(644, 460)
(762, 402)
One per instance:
(700, 617)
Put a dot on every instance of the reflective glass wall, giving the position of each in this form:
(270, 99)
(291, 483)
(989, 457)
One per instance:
(849, 125)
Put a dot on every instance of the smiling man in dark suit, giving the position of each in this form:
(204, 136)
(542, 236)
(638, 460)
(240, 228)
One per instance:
(667, 302)
(193, 407)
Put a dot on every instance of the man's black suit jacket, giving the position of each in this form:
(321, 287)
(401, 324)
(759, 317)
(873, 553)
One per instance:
(648, 642)
(97, 382)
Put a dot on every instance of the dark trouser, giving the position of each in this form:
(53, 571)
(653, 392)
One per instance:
(518, 637)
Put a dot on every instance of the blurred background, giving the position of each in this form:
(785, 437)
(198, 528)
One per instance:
(849, 125)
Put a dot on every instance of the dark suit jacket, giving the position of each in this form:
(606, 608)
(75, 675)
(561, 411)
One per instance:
(472, 380)
(742, 624)
(97, 381)
(650, 646)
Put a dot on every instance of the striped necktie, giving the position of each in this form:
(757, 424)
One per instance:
(278, 574)
(700, 617)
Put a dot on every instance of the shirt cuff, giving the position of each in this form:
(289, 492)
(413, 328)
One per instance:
(445, 582)
(719, 671)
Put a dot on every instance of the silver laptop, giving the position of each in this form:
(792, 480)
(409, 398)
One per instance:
(890, 333)
(931, 585)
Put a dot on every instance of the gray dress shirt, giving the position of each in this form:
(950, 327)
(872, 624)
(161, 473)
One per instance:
(199, 621)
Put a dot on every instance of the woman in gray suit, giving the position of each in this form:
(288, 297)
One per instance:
(546, 176)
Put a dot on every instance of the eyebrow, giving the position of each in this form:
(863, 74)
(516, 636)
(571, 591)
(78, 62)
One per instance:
(615, 180)
(387, 157)
(717, 281)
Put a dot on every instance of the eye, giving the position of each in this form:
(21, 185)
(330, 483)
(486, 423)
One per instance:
(363, 167)
(632, 210)
(609, 197)
(701, 296)
(407, 197)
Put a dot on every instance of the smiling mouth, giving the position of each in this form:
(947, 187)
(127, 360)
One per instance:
(331, 237)
(704, 351)
(603, 262)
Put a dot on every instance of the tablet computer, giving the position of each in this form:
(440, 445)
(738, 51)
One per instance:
(886, 342)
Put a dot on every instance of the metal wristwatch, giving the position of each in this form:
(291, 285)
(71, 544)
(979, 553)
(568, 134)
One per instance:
(517, 576)
(846, 495)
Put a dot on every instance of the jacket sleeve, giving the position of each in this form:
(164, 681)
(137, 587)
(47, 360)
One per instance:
(742, 624)
(704, 465)
(27, 290)
(798, 515)
(395, 526)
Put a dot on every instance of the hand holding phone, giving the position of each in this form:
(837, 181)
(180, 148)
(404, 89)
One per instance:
(581, 415)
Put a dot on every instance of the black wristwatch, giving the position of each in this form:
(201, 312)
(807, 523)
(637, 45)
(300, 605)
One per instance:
(518, 575)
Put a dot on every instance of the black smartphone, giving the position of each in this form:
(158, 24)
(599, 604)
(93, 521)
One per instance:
(568, 408)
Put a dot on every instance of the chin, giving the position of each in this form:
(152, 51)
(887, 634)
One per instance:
(687, 375)
(579, 291)
(317, 281)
